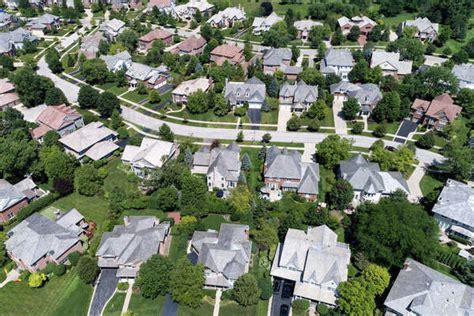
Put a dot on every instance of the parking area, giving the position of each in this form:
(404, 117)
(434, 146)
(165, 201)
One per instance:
(282, 295)
(404, 130)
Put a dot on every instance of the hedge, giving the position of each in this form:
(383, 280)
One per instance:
(36, 206)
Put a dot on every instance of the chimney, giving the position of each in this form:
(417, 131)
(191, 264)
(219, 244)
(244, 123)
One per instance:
(126, 221)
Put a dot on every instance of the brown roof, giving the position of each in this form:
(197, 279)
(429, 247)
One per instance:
(226, 50)
(159, 3)
(155, 35)
(191, 43)
(439, 105)
(419, 103)
(57, 117)
(6, 86)
(40, 131)
(8, 98)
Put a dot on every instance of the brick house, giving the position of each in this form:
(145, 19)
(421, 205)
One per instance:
(230, 53)
(193, 45)
(146, 41)
(61, 118)
(12, 200)
(435, 114)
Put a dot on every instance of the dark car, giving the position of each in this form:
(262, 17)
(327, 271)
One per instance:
(391, 148)
(284, 310)
(277, 286)
(287, 291)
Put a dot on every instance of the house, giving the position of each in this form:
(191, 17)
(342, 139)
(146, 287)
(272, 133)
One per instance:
(6, 20)
(391, 64)
(90, 45)
(315, 261)
(117, 62)
(233, 54)
(112, 28)
(338, 62)
(454, 210)
(465, 75)
(304, 28)
(62, 119)
(8, 96)
(224, 254)
(425, 30)
(127, 246)
(118, 5)
(263, 24)
(165, 6)
(38, 240)
(153, 78)
(188, 10)
(181, 93)
(285, 171)
(364, 23)
(12, 200)
(43, 24)
(290, 72)
(252, 91)
(227, 17)
(93, 140)
(192, 45)
(73, 221)
(435, 114)
(151, 154)
(145, 42)
(368, 182)
(11, 41)
(276, 58)
(420, 290)
(221, 165)
(368, 94)
(299, 96)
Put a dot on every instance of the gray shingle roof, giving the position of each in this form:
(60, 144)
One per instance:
(276, 56)
(366, 94)
(464, 72)
(225, 160)
(338, 57)
(9, 195)
(300, 92)
(15, 38)
(389, 61)
(420, 290)
(115, 62)
(253, 90)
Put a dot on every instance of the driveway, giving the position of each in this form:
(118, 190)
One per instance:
(339, 123)
(105, 288)
(255, 116)
(170, 307)
(309, 152)
(283, 116)
(277, 299)
(406, 128)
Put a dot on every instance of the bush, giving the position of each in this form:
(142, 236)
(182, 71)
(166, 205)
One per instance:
(49, 268)
(358, 128)
(426, 141)
(322, 309)
(265, 285)
(241, 111)
(300, 306)
(37, 206)
(87, 269)
(59, 269)
(314, 125)
(36, 279)
(294, 123)
(123, 286)
(379, 131)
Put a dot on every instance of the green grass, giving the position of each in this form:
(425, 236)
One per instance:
(230, 308)
(178, 247)
(65, 295)
(391, 128)
(49, 212)
(327, 179)
(208, 116)
(134, 96)
(114, 307)
(269, 117)
(213, 221)
(456, 45)
(431, 182)
(396, 20)
(117, 90)
(144, 306)
(205, 309)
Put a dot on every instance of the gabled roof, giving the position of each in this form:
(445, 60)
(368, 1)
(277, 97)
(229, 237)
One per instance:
(440, 107)
(360, 21)
(9, 195)
(160, 4)
(336, 58)
(253, 90)
(422, 24)
(58, 117)
(367, 93)
(389, 61)
(227, 50)
(230, 13)
(464, 72)
(151, 153)
(273, 18)
(224, 160)
(306, 25)
(276, 56)
(87, 136)
(156, 34)
(115, 25)
(300, 92)
(190, 44)
(191, 86)
(120, 60)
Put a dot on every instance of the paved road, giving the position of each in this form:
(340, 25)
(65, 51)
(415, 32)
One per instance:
(170, 307)
(105, 288)
(70, 90)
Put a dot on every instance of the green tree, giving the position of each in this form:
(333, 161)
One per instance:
(277, 36)
(221, 105)
(273, 88)
(154, 277)
(360, 72)
(87, 180)
(409, 48)
(350, 108)
(388, 109)
(129, 39)
(317, 110)
(53, 59)
(55, 96)
(294, 123)
(165, 133)
(246, 291)
(198, 102)
(357, 128)
(87, 269)
(88, 97)
(165, 199)
(57, 164)
(104, 47)
(3, 251)
(240, 137)
(240, 199)
(332, 150)
(154, 96)
(341, 194)
(355, 299)
(36, 279)
(95, 71)
(265, 237)
(30, 87)
(354, 34)
(107, 103)
(435, 81)
(246, 162)
(18, 155)
(300, 306)
(193, 195)
(312, 77)
(427, 140)
(186, 226)
(337, 38)
(186, 283)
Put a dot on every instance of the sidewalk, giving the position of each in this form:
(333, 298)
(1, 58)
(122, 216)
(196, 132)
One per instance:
(12, 275)
(217, 304)
(127, 298)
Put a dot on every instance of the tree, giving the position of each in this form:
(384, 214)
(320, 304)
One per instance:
(116, 120)
(409, 48)
(300, 306)
(390, 231)
(129, 39)
(154, 96)
(312, 77)
(357, 128)
(354, 34)
(332, 150)
(88, 97)
(341, 194)
(141, 88)
(295, 53)
(314, 125)
(107, 103)
(57, 164)
(317, 110)
(246, 291)
(87, 180)
(435, 81)
(104, 47)
(240, 199)
(95, 71)
(36, 279)
(377, 278)
(165, 199)
(426, 141)
(246, 162)
(465, 273)
(165, 133)
(198, 102)
(277, 36)
(53, 59)
(87, 269)
(294, 123)
(240, 137)
(265, 237)
(186, 226)
(55, 96)
(337, 38)
(350, 108)
(29, 47)
(266, 8)
(459, 162)
(221, 105)
(154, 277)
(388, 109)
(273, 88)
(266, 287)
(193, 195)
(18, 155)
(360, 72)
(186, 283)
(30, 87)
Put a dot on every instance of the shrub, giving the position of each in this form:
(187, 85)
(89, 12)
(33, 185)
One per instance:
(379, 131)
(36, 279)
(266, 288)
(123, 286)
(49, 268)
(300, 306)
(426, 141)
(87, 269)
(37, 206)
(314, 125)
(294, 123)
(240, 111)
(59, 269)
(322, 309)
(358, 128)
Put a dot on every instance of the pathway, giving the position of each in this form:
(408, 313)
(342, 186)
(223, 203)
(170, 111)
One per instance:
(12, 275)
(128, 296)
(414, 183)
(309, 151)
(339, 123)
(283, 116)
(217, 304)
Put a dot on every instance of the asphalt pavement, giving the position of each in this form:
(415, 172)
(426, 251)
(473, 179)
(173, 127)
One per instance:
(107, 283)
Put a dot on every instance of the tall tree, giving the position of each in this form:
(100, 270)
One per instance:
(107, 104)
(187, 283)
(350, 108)
(246, 291)
(154, 277)
(88, 97)
(332, 150)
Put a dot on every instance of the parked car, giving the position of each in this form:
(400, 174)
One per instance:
(276, 286)
(284, 310)
(287, 291)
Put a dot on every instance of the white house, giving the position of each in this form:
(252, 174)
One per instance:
(337, 61)
(263, 24)
(227, 17)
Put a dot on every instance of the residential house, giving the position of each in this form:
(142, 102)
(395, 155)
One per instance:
(73, 221)
(151, 154)
(43, 24)
(227, 17)
(188, 10)
(276, 58)
(6, 20)
(298, 96)
(304, 28)
(118, 5)
(252, 91)
(127, 246)
(8, 96)
(263, 24)
(224, 254)
(62, 119)
(153, 78)
(454, 210)
(145, 42)
(117, 62)
(420, 290)
(192, 45)
(165, 6)
(38, 240)
(368, 94)
(315, 261)
(90, 45)
(338, 62)
(465, 75)
(368, 182)
(364, 23)
(425, 29)
(112, 28)
(221, 165)
(11, 41)
(391, 64)
(435, 114)
(12, 200)
(94, 140)
(285, 171)
(181, 93)
(233, 54)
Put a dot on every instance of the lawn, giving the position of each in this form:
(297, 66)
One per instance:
(327, 179)
(269, 117)
(213, 221)
(391, 128)
(208, 116)
(431, 182)
(65, 295)
(205, 309)
(114, 307)
(455, 45)
(145, 306)
(254, 176)
(395, 21)
(178, 247)
(230, 308)
(134, 96)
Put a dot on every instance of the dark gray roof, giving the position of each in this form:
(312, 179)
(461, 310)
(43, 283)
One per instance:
(336, 57)
(15, 38)
(225, 160)
(420, 290)
(252, 91)
(366, 94)
(300, 92)
(276, 56)
(9, 195)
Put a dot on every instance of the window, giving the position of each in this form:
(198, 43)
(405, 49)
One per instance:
(10, 215)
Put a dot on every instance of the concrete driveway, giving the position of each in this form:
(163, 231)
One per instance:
(339, 122)
(283, 116)
(255, 116)
(105, 288)
(309, 152)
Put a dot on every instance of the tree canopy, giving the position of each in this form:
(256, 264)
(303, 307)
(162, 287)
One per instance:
(187, 281)
(332, 150)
